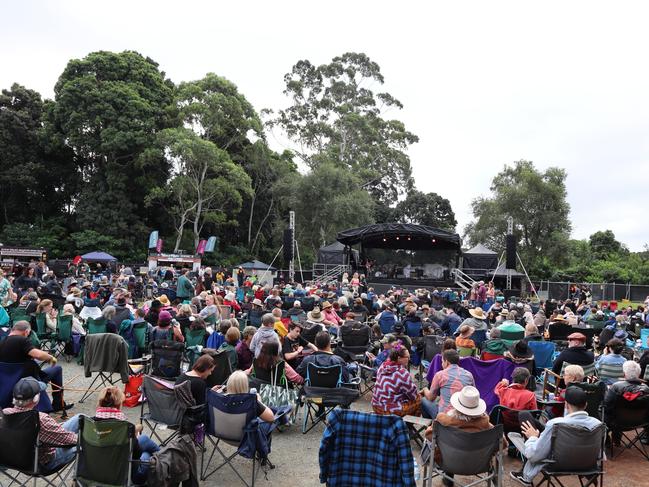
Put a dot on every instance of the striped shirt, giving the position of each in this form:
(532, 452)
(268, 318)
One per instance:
(449, 381)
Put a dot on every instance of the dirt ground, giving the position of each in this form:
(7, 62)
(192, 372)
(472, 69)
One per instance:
(296, 455)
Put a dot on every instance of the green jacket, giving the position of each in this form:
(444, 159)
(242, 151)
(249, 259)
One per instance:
(184, 288)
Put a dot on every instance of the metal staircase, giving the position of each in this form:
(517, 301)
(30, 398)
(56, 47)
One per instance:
(462, 280)
(328, 272)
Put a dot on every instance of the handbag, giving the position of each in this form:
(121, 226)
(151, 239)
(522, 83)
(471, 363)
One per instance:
(133, 390)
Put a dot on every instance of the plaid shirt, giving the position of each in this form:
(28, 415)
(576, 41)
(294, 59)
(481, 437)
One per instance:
(448, 381)
(364, 449)
(110, 413)
(51, 433)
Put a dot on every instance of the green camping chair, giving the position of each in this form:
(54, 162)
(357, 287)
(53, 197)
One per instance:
(104, 452)
(47, 338)
(63, 336)
(141, 333)
(194, 343)
(96, 325)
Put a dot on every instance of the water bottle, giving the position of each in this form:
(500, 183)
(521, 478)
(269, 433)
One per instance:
(417, 474)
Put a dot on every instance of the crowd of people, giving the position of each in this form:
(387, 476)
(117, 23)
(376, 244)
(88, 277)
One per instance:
(345, 324)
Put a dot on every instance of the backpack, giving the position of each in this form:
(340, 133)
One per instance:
(165, 357)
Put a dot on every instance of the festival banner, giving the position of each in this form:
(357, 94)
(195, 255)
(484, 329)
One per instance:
(200, 250)
(153, 239)
(211, 244)
(158, 246)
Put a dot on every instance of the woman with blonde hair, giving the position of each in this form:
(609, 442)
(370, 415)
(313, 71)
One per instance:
(238, 384)
(68, 310)
(46, 306)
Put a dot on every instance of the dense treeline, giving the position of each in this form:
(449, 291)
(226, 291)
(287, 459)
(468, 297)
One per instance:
(122, 150)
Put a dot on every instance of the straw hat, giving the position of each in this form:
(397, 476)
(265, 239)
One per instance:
(326, 305)
(560, 319)
(315, 315)
(468, 402)
(164, 300)
(466, 331)
(477, 313)
(257, 302)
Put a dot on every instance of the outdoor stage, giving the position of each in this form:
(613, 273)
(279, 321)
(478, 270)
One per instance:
(403, 255)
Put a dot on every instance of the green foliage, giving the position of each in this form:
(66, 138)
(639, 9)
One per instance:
(326, 200)
(604, 244)
(426, 209)
(207, 188)
(336, 118)
(109, 107)
(537, 202)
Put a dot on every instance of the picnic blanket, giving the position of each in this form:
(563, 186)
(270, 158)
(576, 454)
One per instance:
(486, 373)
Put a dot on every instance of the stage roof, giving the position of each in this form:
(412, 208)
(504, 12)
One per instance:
(401, 236)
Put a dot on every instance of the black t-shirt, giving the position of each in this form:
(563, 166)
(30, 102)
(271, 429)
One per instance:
(15, 349)
(198, 387)
(289, 346)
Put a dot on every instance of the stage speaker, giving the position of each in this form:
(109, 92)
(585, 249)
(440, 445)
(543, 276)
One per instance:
(511, 293)
(288, 245)
(510, 252)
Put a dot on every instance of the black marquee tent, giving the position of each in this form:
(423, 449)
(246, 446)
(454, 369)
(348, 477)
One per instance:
(334, 254)
(401, 236)
(480, 257)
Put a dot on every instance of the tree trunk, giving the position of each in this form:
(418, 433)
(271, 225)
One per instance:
(252, 211)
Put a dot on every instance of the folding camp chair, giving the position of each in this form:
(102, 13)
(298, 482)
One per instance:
(575, 451)
(631, 421)
(222, 370)
(476, 454)
(323, 392)
(510, 419)
(104, 377)
(467, 352)
(194, 343)
(19, 450)
(46, 337)
(228, 417)
(552, 381)
(96, 325)
(166, 356)
(610, 373)
(10, 374)
(165, 411)
(104, 451)
(63, 336)
(595, 393)
(543, 356)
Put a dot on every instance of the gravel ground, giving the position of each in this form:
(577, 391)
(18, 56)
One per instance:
(296, 455)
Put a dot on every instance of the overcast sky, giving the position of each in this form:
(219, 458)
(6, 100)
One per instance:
(483, 83)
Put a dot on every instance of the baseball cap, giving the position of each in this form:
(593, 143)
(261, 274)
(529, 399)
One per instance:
(27, 388)
(389, 338)
(576, 396)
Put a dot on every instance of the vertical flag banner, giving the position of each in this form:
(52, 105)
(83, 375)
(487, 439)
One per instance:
(211, 244)
(158, 246)
(153, 239)
(200, 250)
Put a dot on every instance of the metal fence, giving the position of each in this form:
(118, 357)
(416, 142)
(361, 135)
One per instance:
(601, 291)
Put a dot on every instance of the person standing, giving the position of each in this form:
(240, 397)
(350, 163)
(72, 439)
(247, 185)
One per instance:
(184, 287)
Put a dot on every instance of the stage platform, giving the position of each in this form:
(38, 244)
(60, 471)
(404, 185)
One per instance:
(382, 285)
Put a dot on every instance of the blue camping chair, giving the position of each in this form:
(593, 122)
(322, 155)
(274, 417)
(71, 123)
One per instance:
(230, 418)
(10, 374)
(387, 322)
(413, 329)
(543, 355)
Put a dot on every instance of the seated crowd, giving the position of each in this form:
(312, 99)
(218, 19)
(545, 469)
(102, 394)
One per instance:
(376, 337)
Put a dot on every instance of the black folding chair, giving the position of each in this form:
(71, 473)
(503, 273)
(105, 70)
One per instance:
(631, 420)
(19, 451)
(476, 454)
(575, 452)
(104, 452)
(432, 346)
(165, 411)
(323, 391)
(166, 357)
